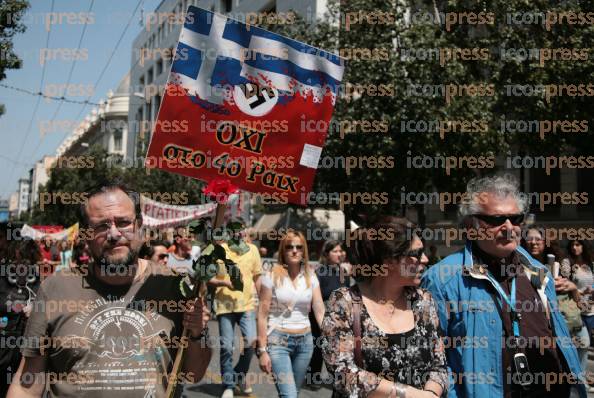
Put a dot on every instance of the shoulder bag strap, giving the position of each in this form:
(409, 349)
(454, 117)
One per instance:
(356, 297)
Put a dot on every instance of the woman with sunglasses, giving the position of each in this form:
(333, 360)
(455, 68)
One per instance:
(533, 241)
(288, 292)
(381, 337)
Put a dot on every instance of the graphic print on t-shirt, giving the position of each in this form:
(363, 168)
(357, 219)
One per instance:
(108, 340)
(125, 348)
(122, 332)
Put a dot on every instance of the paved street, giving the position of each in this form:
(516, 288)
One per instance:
(210, 386)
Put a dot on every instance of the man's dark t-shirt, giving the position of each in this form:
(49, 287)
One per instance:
(106, 340)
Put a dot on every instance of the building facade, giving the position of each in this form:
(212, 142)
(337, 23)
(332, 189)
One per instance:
(38, 176)
(13, 205)
(105, 126)
(23, 195)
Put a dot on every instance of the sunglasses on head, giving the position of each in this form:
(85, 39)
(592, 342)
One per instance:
(497, 220)
(296, 247)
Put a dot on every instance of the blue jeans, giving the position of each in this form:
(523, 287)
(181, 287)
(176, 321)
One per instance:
(589, 322)
(247, 325)
(290, 355)
(582, 344)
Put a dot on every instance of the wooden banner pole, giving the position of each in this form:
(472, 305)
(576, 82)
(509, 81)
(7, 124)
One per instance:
(200, 290)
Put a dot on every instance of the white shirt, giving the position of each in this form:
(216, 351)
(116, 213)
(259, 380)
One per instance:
(184, 265)
(296, 295)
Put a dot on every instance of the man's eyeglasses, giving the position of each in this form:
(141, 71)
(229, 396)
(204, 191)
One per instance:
(122, 225)
(497, 220)
(291, 247)
(163, 256)
(417, 253)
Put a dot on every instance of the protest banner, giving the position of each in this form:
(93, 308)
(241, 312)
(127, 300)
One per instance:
(54, 232)
(160, 215)
(255, 105)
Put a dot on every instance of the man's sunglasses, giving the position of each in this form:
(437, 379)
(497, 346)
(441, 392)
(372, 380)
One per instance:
(163, 256)
(291, 247)
(514, 219)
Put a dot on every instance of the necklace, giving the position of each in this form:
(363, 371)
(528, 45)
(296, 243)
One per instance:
(387, 306)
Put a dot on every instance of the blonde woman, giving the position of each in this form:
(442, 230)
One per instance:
(288, 292)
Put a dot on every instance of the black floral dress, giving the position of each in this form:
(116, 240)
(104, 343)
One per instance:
(410, 358)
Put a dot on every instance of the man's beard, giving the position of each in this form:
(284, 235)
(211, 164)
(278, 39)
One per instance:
(116, 267)
(130, 259)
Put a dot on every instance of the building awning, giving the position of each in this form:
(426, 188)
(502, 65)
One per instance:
(266, 223)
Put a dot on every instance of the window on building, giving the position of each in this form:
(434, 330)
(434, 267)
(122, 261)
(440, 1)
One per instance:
(117, 140)
(271, 9)
(149, 76)
(541, 182)
(227, 5)
(171, 54)
(138, 127)
(159, 66)
(157, 104)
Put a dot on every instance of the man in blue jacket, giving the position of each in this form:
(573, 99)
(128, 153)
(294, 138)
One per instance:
(504, 334)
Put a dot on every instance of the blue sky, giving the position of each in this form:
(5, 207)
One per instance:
(107, 21)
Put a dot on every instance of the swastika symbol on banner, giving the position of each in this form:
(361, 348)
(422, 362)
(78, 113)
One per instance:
(255, 100)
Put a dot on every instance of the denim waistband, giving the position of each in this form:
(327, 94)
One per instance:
(290, 335)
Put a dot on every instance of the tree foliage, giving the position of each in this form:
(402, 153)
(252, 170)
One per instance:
(11, 12)
(76, 182)
(405, 105)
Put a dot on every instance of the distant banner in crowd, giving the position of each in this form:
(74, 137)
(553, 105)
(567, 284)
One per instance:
(55, 232)
(156, 214)
(245, 104)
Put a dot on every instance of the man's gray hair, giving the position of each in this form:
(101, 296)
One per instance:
(501, 186)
